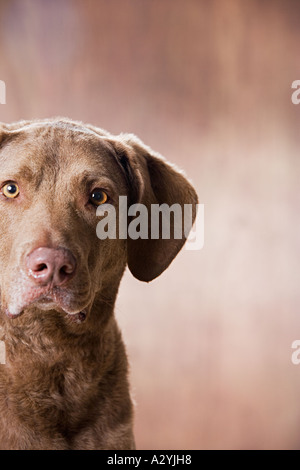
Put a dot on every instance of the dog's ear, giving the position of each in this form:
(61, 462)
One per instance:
(153, 181)
(8, 131)
(3, 133)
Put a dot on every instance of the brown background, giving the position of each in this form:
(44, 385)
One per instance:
(207, 84)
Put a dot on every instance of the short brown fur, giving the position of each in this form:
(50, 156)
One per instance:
(65, 381)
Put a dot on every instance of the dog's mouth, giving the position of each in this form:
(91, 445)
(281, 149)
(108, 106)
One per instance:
(52, 299)
(77, 317)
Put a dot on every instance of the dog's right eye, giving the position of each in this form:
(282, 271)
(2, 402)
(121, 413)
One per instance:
(98, 197)
(10, 190)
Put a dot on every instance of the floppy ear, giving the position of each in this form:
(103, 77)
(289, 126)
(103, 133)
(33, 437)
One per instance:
(8, 131)
(154, 181)
(3, 132)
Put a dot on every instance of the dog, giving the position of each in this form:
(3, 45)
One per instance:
(65, 382)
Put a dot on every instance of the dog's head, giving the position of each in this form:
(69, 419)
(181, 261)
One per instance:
(55, 178)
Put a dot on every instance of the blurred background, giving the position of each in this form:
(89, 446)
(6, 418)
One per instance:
(208, 85)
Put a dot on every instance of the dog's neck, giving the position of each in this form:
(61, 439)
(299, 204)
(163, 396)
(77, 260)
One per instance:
(48, 337)
(58, 367)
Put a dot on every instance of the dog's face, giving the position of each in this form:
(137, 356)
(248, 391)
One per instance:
(53, 177)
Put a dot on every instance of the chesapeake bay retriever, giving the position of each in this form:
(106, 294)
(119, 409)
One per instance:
(65, 384)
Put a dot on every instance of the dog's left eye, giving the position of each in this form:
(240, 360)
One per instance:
(10, 190)
(98, 197)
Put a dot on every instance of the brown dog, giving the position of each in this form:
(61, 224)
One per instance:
(64, 384)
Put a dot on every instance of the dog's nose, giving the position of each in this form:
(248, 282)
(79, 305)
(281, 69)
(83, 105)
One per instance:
(51, 266)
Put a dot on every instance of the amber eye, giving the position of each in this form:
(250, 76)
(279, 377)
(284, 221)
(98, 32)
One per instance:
(10, 190)
(98, 197)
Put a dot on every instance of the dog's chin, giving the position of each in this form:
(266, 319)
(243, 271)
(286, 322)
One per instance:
(77, 315)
